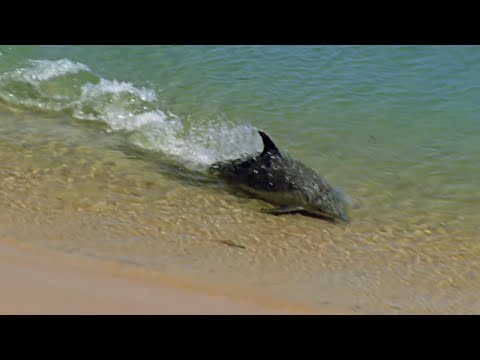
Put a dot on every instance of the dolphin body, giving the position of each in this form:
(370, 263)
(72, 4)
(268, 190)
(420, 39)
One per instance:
(282, 181)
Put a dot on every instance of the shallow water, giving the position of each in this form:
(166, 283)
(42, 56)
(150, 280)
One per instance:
(102, 152)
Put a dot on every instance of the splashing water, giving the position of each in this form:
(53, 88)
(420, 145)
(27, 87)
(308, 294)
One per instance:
(64, 85)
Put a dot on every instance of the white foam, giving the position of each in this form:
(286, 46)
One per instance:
(119, 119)
(201, 147)
(92, 91)
(43, 70)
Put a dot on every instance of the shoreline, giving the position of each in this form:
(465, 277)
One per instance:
(69, 284)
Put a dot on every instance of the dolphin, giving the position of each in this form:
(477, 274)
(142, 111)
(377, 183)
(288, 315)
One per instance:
(275, 177)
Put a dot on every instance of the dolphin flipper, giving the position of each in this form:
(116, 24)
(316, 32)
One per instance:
(283, 210)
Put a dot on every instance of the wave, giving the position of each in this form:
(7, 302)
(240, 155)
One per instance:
(67, 86)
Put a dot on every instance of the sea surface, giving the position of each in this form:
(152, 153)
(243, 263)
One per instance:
(104, 149)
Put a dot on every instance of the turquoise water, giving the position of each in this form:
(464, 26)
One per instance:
(395, 127)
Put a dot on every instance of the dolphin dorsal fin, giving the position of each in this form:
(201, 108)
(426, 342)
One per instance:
(268, 145)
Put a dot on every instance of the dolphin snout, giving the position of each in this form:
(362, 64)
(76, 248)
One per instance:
(345, 218)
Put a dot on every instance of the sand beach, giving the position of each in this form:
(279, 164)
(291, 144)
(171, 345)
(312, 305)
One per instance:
(39, 282)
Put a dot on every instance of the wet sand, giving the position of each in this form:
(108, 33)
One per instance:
(34, 281)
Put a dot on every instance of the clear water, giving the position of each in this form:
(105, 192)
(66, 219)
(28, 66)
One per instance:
(103, 152)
